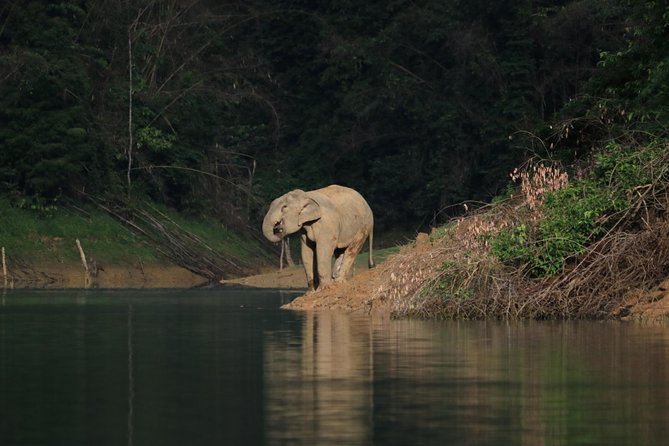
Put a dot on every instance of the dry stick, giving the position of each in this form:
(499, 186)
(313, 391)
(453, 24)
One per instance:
(177, 243)
(82, 255)
(130, 87)
(619, 265)
(4, 266)
(171, 244)
(187, 235)
(131, 29)
(131, 224)
(83, 261)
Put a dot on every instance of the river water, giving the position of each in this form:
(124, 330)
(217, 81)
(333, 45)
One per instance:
(228, 367)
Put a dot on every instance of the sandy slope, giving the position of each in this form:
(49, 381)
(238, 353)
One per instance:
(357, 294)
(292, 278)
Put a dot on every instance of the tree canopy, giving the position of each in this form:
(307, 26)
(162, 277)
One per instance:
(217, 107)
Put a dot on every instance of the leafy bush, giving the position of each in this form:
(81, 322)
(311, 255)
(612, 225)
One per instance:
(576, 215)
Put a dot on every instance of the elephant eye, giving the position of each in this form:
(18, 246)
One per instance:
(284, 207)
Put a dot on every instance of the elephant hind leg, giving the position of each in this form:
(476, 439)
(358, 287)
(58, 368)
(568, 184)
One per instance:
(339, 259)
(348, 258)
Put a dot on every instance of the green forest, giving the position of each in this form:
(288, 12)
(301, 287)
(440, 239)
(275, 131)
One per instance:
(213, 108)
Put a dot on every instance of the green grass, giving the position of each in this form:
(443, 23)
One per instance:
(46, 235)
(49, 236)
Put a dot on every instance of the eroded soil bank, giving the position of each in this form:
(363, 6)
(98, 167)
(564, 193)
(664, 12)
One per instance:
(367, 291)
(352, 296)
(378, 290)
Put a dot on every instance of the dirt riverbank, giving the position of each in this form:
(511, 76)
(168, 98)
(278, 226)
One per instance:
(117, 276)
(351, 296)
(375, 290)
(369, 290)
(365, 292)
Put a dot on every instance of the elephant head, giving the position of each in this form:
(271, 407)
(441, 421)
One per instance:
(288, 213)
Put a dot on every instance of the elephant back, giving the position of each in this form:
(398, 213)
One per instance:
(356, 215)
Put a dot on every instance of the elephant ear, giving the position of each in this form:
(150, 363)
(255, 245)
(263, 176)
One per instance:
(310, 211)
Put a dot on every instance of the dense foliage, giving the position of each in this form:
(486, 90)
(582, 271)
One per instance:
(216, 107)
(570, 218)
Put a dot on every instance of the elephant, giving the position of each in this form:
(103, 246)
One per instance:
(334, 220)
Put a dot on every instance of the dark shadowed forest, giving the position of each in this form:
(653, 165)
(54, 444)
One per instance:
(214, 108)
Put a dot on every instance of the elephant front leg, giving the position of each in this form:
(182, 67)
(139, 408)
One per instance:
(307, 251)
(324, 263)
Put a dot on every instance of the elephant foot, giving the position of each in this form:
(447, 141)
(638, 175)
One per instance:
(327, 286)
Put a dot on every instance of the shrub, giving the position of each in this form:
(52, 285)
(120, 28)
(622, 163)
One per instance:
(566, 218)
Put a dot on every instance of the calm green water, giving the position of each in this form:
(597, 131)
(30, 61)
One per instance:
(227, 367)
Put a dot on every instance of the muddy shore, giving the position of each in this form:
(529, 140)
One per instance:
(366, 291)
(117, 276)
(359, 294)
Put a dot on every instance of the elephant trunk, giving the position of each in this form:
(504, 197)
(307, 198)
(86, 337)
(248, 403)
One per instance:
(268, 226)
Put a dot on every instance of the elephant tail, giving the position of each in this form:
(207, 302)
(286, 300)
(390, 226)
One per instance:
(370, 261)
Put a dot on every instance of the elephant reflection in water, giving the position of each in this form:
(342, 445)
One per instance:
(322, 391)
(347, 380)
